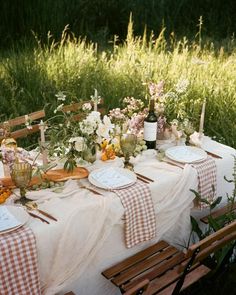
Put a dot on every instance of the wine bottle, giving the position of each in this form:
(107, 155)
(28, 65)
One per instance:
(150, 127)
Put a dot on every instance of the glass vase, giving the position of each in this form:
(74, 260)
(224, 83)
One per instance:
(90, 153)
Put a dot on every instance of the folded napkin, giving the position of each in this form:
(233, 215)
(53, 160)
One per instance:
(140, 222)
(18, 263)
(206, 171)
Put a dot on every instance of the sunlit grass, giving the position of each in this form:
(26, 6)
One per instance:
(30, 79)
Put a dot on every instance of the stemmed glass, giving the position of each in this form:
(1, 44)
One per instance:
(21, 175)
(128, 143)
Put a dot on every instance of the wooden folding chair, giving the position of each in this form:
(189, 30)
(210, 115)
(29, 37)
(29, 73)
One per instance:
(162, 269)
(16, 122)
(227, 209)
(74, 108)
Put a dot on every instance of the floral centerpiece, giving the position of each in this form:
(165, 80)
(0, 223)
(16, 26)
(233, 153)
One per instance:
(78, 140)
(173, 121)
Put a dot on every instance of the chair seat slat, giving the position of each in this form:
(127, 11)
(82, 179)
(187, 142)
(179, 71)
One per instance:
(144, 265)
(112, 271)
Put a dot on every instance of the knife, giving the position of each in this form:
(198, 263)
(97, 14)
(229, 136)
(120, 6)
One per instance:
(214, 155)
(38, 217)
(144, 177)
(46, 214)
(34, 206)
(91, 190)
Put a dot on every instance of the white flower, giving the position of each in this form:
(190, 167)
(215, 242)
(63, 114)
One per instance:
(79, 143)
(107, 122)
(103, 131)
(59, 108)
(87, 127)
(182, 86)
(94, 116)
(61, 96)
(87, 106)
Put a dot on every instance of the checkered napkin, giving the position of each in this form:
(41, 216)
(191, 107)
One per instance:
(140, 222)
(206, 171)
(18, 263)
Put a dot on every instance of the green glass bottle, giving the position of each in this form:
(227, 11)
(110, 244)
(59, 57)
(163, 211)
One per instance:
(150, 127)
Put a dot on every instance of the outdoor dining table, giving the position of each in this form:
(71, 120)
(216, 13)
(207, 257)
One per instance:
(88, 236)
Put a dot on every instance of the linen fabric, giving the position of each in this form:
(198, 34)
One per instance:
(140, 222)
(206, 171)
(18, 263)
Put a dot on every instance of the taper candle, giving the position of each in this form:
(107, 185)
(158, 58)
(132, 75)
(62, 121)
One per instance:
(95, 103)
(201, 125)
(42, 139)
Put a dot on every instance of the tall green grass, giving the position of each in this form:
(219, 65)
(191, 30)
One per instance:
(29, 79)
(101, 19)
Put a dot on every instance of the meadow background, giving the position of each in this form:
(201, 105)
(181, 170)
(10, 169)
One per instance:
(75, 46)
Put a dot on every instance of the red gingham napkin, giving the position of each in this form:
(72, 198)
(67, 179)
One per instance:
(140, 222)
(18, 263)
(206, 171)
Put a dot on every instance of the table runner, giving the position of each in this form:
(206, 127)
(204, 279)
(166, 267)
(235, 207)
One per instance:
(206, 171)
(18, 263)
(140, 222)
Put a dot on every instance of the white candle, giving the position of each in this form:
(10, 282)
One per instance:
(95, 103)
(42, 139)
(202, 119)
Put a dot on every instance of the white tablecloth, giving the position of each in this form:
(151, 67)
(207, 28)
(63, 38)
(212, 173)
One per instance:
(89, 234)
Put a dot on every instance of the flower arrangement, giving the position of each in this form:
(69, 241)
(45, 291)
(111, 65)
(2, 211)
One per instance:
(74, 139)
(173, 121)
(78, 139)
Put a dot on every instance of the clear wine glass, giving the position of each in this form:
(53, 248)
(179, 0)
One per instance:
(21, 175)
(128, 143)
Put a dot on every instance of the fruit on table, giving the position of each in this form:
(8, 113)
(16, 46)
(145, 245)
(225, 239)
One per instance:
(4, 194)
(46, 184)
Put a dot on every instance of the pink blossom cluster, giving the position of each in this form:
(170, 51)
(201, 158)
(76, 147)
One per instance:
(9, 156)
(136, 122)
(117, 115)
(156, 89)
(132, 106)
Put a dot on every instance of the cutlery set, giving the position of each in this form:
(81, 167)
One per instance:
(144, 178)
(34, 207)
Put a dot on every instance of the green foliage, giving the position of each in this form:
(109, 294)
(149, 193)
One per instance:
(224, 255)
(29, 79)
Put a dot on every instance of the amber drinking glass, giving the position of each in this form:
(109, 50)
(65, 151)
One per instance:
(21, 175)
(128, 144)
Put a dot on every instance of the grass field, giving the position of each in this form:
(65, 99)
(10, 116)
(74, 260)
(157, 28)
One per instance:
(30, 78)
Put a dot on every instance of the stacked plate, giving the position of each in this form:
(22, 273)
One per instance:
(185, 154)
(112, 178)
(11, 218)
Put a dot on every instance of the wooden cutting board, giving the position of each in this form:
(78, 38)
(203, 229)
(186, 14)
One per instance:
(53, 175)
(62, 175)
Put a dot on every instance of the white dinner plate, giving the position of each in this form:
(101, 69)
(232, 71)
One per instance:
(186, 154)
(112, 178)
(20, 214)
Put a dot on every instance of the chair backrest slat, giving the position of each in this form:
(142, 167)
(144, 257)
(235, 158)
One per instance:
(210, 244)
(22, 120)
(75, 107)
(202, 244)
